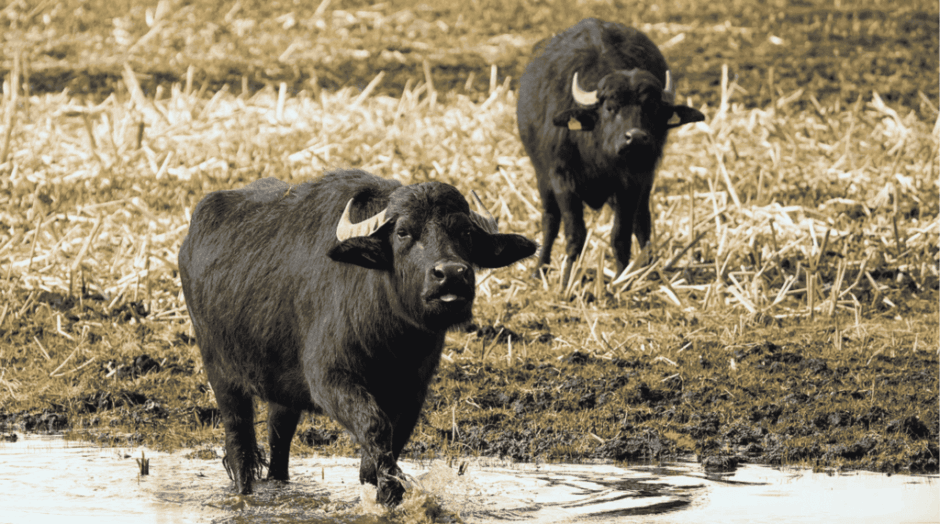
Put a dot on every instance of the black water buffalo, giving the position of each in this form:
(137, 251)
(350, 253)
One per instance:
(601, 145)
(298, 297)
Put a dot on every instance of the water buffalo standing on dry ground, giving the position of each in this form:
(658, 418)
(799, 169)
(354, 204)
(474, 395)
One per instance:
(595, 106)
(298, 297)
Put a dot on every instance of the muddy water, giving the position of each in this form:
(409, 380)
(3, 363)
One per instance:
(45, 478)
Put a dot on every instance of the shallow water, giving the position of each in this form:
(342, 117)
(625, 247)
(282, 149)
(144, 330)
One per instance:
(45, 478)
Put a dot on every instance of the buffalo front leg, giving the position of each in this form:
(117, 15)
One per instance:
(642, 222)
(352, 405)
(621, 235)
(406, 421)
(242, 458)
(551, 223)
(572, 214)
(282, 423)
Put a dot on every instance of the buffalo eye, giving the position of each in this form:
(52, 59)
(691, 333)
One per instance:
(649, 102)
(403, 232)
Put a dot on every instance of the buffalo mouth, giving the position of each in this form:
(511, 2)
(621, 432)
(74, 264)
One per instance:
(642, 156)
(448, 307)
(451, 297)
(452, 301)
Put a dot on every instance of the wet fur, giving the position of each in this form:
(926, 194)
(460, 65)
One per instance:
(285, 312)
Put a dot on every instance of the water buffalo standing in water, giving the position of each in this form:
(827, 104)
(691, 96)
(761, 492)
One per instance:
(333, 297)
(595, 106)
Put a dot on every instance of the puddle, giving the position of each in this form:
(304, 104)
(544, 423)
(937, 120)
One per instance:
(44, 477)
(47, 476)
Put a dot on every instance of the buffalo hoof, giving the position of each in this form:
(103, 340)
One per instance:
(389, 492)
(243, 488)
(540, 272)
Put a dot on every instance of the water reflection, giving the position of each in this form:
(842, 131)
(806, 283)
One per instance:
(49, 477)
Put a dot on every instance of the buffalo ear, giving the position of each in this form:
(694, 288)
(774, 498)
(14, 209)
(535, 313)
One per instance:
(683, 115)
(368, 252)
(576, 119)
(500, 250)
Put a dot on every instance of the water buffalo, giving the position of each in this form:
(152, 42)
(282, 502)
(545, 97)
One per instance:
(594, 109)
(331, 296)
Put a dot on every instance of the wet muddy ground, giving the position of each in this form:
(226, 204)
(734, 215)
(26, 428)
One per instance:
(775, 395)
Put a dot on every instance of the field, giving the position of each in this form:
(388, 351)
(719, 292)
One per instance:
(787, 312)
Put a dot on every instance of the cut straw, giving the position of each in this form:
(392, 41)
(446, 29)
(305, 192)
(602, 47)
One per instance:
(10, 118)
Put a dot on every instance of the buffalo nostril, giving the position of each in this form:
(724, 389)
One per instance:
(636, 136)
(448, 270)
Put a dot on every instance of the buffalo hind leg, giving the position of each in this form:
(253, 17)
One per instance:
(282, 423)
(243, 460)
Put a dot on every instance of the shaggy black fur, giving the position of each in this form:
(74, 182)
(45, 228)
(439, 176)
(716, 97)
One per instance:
(284, 311)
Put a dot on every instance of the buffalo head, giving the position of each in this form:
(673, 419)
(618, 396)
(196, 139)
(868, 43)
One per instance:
(429, 242)
(631, 110)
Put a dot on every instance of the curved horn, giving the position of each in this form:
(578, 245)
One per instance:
(669, 93)
(486, 223)
(346, 229)
(585, 98)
